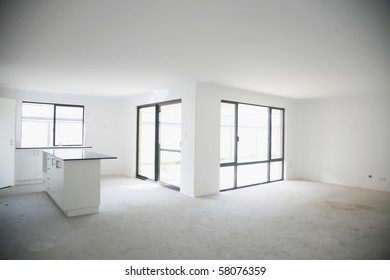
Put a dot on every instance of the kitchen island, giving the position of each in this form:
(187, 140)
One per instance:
(71, 177)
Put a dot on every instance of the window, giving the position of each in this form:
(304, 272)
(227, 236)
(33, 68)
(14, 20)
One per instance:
(45, 125)
(251, 145)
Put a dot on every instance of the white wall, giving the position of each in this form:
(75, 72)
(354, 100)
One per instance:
(103, 128)
(343, 140)
(208, 107)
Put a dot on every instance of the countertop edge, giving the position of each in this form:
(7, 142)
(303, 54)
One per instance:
(53, 147)
(85, 155)
(75, 159)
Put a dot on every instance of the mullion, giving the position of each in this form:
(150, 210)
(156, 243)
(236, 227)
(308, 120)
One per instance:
(54, 124)
(269, 142)
(283, 135)
(170, 150)
(236, 138)
(138, 143)
(157, 144)
(249, 162)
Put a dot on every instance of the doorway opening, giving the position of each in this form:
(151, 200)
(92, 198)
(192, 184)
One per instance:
(159, 143)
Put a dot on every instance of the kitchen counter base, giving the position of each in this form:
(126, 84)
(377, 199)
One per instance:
(74, 185)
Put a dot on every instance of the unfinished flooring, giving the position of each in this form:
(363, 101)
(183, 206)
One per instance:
(140, 220)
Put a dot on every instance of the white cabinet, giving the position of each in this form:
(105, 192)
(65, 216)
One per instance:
(28, 166)
(73, 184)
(53, 178)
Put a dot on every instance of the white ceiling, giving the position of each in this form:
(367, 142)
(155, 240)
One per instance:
(298, 49)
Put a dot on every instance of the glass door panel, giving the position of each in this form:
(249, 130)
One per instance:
(170, 143)
(276, 172)
(277, 134)
(146, 142)
(253, 126)
(228, 132)
(226, 175)
(250, 174)
(170, 168)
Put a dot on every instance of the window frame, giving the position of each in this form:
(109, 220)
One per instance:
(54, 119)
(235, 163)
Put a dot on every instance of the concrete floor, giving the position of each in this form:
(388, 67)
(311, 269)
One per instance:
(139, 220)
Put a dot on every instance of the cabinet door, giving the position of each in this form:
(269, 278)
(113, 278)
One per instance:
(28, 164)
(25, 164)
(39, 164)
(47, 173)
(55, 179)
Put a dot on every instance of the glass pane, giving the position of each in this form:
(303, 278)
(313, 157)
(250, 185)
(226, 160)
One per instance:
(170, 143)
(226, 175)
(252, 174)
(170, 126)
(277, 133)
(227, 132)
(253, 133)
(69, 125)
(37, 125)
(37, 133)
(146, 144)
(276, 171)
(170, 167)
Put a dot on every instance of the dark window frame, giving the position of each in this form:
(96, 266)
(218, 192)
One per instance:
(269, 160)
(55, 105)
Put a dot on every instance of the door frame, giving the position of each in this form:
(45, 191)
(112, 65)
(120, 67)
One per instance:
(157, 148)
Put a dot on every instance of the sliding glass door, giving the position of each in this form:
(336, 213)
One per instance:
(170, 138)
(228, 146)
(251, 145)
(277, 144)
(158, 143)
(146, 142)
